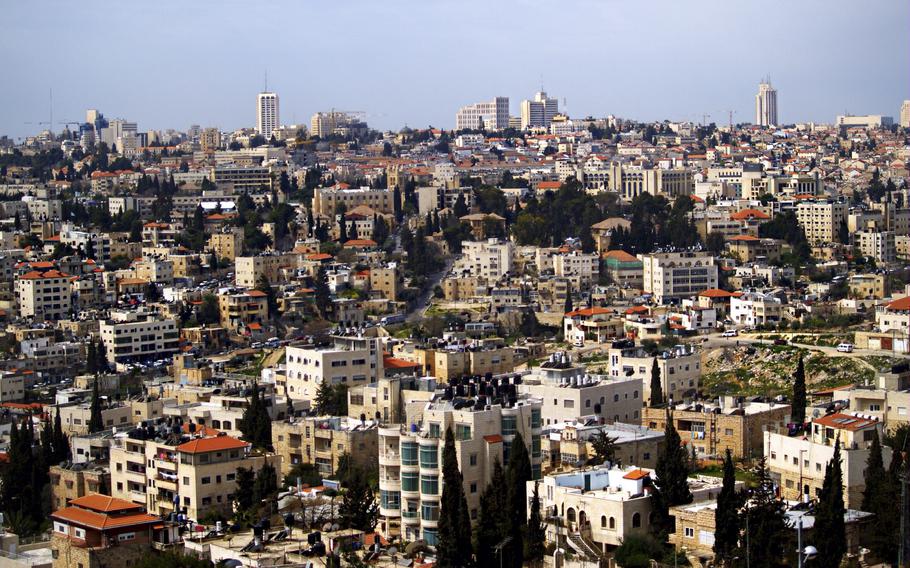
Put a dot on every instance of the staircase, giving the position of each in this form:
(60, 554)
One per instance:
(578, 543)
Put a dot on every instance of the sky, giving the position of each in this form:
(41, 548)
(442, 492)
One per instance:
(173, 63)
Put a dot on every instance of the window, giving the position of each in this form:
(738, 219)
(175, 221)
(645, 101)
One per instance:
(434, 430)
(636, 521)
(568, 403)
(186, 480)
(206, 480)
(408, 453)
(508, 425)
(78, 533)
(689, 532)
(603, 521)
(474, 487)
(462, 431)
(612, 523)
(728, 431)
(429, 457)
(408, 481)
(429, 511)
(429, 484)
(473, 459)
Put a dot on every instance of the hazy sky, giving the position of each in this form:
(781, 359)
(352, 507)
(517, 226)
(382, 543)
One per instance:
(169, 64)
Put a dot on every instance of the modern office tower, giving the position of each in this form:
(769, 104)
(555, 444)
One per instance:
(905, 114)
(266, 113)
(766, 104)
(539, 112)
(492, 115)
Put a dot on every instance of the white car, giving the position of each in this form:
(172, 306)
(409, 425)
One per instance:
(845, 348)
(730, 333)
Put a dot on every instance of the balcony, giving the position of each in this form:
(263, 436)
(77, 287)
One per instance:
(389, 458)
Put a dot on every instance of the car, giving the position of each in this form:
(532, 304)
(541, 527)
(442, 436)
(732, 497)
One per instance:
(730, 333)
(780, 341)
(845, 348)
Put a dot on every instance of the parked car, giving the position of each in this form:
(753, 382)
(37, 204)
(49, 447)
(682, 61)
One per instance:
(845, 348)
(780, 341)
(730, 333)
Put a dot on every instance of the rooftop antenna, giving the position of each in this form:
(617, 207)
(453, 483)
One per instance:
(52, 110)
(266, 81)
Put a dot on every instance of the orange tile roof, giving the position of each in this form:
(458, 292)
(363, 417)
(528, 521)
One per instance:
(35, 275)
(899, 305)
(216, 444)
(319, 256)
(843, 421)
(636, 310)
(748, 214)
(493, 439)
(393, 363)
(715, 293)
(99, 521)
(596, 310)
(201, 429)
(744, 238)
(636, 474)
(256, 294)
(104, 503)
(360, 243)
(620, 255)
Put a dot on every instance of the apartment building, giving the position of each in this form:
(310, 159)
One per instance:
(821, 220)
(581, 269)
(592, 324)
(630, 181)
(71, 481)
(386, 399)
(676, 275)
(267, 115)
(44, 294)
(326, 200)
(227, 244)
(623, 269)
(569, 393)
(539, 112)
(97, 530)
(138, 335)
(153, 269)
(323, 440)
(410, 457)
(250, 269)
(445, 359)
(350, 360)
(12, 386)
(680, 368)
(75, 418)
(715, 427)
(756, 308)
(797, 464)
(878, 245)
(243, 179)
(386, 281)
(491, 115)
(490, 259)
(569, 445)
(887, 399)
(240, 308)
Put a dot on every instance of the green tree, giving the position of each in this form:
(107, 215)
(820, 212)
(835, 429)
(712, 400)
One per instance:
(256, 424)
(62, 450)
(672, 471)
(265, 485)
(798, 405)
(830, 538)
(322, 293)
(359, 509)
(492, 523)
(263, 285)
(245, 494)
(95, 422)
(152, 293)
(208, 312)
(726, 515)
(518, 474)
(535, 543)
(604, 448)
(454, 520)
(637, 551)
(331, 400)
(764, 520)
(91, 359)
(657, 393)
(529, 326)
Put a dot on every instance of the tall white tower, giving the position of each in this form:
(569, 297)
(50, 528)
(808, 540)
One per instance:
(766, 104)
(266, 113)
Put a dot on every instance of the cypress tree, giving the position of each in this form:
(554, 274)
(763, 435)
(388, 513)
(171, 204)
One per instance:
(519, 473)
(358, 508)
(830, 538)
(882, 498)
(726, 515)
(95, 423)
(798, 405)
(874, 475)
(91, 359)
(657, 391)
(61, 442)
(535, 543)
(487, 533)
(454, 521)
(672, 467)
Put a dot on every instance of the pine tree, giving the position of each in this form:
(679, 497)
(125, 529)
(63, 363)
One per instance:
(62, 450)
(489, 523)
(359, 509)
(764, 521)
(657, 392)
(454, 521)
(322, 293)
(874, 475)
(830, 538)
(672, 470)
(604, 448)
(535, 543)
(256, 424)
(95, 422)
(726, 515)
(568, 305)
(518, 475)
(91, 359)
(245, 494)
(342, 230)
(265, 485)
(882, 498)
(798, 405)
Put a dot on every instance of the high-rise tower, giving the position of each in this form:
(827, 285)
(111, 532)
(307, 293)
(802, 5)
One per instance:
(266, 113)
(766, 104)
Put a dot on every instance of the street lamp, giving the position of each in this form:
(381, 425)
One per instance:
(802, 554)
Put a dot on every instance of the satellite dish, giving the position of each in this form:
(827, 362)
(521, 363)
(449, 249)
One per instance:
(392, 551)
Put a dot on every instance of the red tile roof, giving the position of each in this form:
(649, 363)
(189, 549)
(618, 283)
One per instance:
(636, 474)
(843, 421)
(749, 214)
(393, 363)
(100, 521)
(216, 444)
(899, 305)
(493, 439)
(585, 312)
(715, 293)
(104, 503)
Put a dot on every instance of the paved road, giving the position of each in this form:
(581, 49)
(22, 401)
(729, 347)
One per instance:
(420, 304)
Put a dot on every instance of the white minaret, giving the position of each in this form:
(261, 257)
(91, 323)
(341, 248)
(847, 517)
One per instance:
(766, 104)
(266, 113)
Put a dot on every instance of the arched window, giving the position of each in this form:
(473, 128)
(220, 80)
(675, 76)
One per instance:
(612, 523)
(636, 521)
(570, 515)
(603, 521)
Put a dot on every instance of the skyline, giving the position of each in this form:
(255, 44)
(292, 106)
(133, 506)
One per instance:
(615, 72)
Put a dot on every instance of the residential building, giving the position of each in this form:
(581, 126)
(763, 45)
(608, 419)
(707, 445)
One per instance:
(350, 360)
(490, 259)
(12, 386)
(249, 270)
(492, 115)
(327, 200)
(592, 324)
(410, 456)
(322, 440)
(227, 244)
(821, 220)
(138, 335)
(766, 105)
(243, 179)
(680, 368)
(569, 393)
(878, 245)
(241, 308)
(386, 281)
(756, 308)
(267, 117)
(715, 427)
(623, 269)
(44, 294)
(71, 481)
(798, 463)
(863, 121)
(97, 530)
(570, 445)
(905, 114)
(677, 275)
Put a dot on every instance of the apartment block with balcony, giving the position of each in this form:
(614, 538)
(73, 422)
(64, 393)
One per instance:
(322, 440)
(44, 294)
(410, 455)
(680, 368)
(138, 335)
(677, 275)
(350, 360)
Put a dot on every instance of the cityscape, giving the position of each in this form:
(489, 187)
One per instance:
(543, 330)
